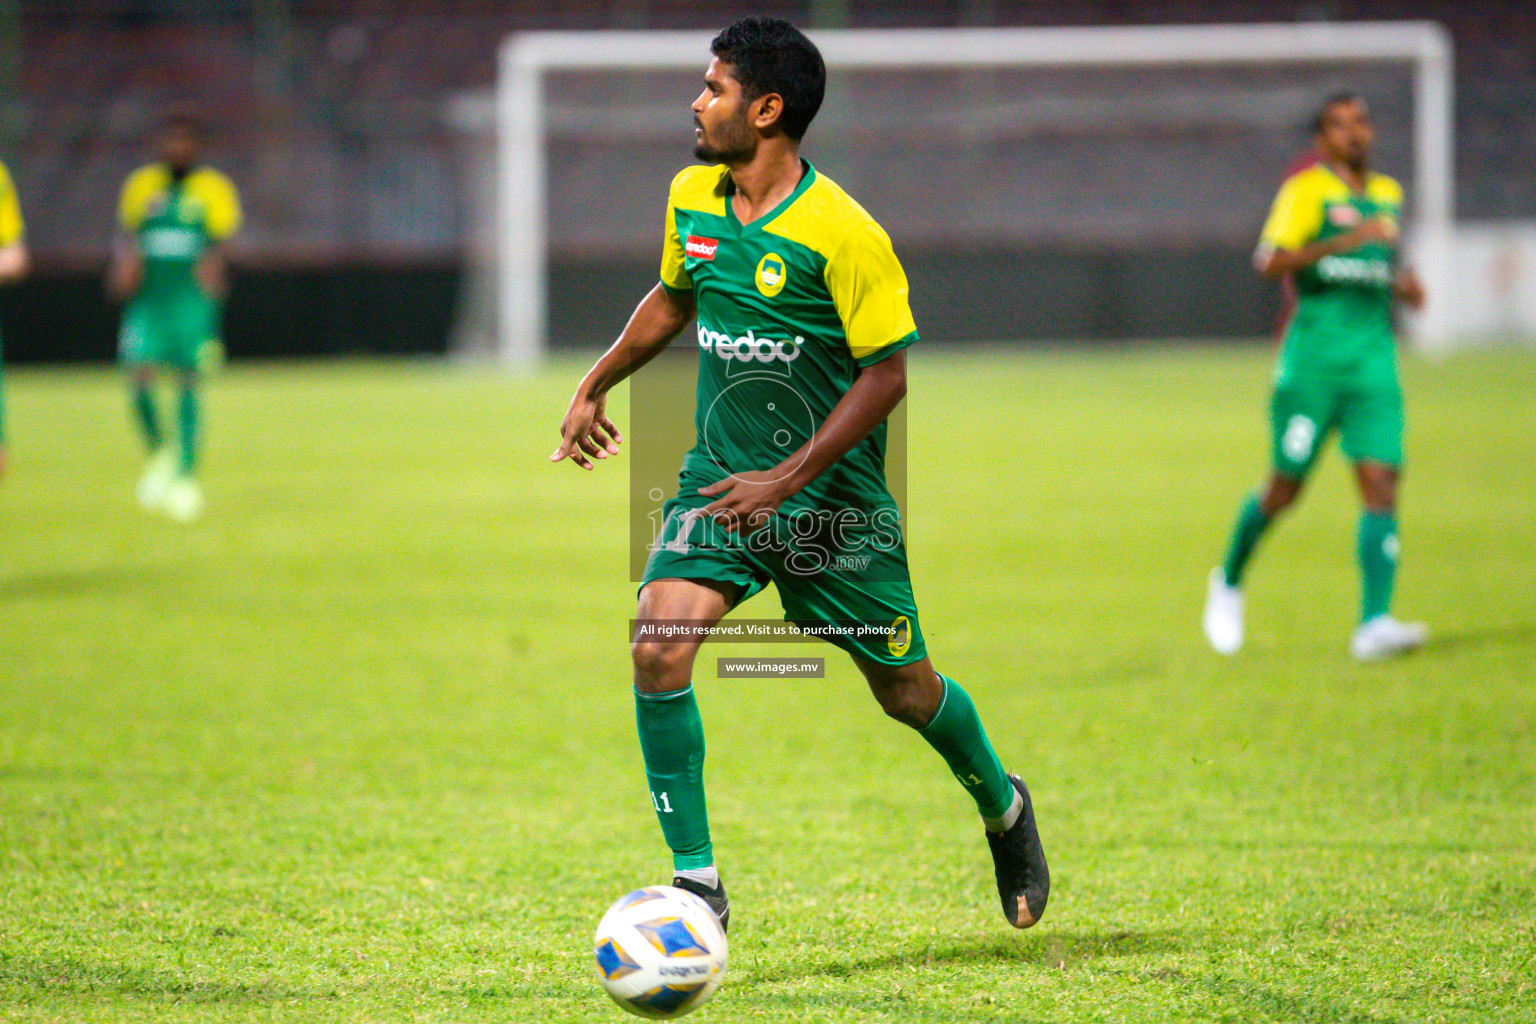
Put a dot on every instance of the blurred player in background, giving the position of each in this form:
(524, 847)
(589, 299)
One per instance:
(13, 267)
(801, 307)
(1334, 226)
(170, 268)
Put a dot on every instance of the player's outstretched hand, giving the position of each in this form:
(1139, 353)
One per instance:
(748, 499)
(1408, 288)
(587, 431)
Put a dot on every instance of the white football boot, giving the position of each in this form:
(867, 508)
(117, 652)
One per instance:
(1223, 614)
(1384, 637)
(183, 500)
(156, 479)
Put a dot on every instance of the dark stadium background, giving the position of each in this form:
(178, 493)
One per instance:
(330, 116)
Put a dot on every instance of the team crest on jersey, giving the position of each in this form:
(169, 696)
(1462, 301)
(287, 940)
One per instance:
(701, 248)
(900, 639)
(771, 274)
(1343, 215)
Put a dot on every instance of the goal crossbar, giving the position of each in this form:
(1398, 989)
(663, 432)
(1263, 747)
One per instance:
(525, 59)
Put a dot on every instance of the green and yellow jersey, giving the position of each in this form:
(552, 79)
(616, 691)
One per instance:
(175, 223)
(12, 230)
(172, 320)
(788, 308)
(1343, 316)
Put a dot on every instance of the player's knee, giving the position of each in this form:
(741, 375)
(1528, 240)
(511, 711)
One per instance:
(1380, 503)
(661, 666)
(1281, 493)
(1380, 497)
(1378, 488)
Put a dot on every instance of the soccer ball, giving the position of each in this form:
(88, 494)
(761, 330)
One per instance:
(660, 952)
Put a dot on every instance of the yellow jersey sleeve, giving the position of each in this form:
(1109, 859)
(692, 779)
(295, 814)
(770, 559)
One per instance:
(220, 201)
(870, 291)
(11, 227)
(673, 274)
(1296, 216)
(142, 186)
(1384, 190)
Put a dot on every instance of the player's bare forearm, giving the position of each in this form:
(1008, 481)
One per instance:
(658, 319)
(213, 271)
(741, 499)
(587, 433)
(126, 271)
(874, 394)
(1273, 263)
(14, 263)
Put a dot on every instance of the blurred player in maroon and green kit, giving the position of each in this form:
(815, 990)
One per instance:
(1334, 227)
(13, 266)
(170, 268)
(802, 325)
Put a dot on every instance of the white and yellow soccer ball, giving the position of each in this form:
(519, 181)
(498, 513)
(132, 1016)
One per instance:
(660, 952)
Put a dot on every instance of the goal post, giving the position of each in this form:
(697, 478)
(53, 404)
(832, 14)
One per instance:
(528, 59)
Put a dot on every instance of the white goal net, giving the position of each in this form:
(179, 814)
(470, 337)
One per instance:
(1051, 183)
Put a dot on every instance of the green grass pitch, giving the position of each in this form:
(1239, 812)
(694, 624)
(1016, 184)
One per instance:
(359, 746)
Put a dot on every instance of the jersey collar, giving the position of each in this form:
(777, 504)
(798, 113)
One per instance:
(1365, 187)
(807, 175)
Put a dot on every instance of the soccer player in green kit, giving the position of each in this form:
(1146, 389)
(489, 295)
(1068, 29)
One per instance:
(1334, 226)
(170, 268)
(13, 264)
(802, 323)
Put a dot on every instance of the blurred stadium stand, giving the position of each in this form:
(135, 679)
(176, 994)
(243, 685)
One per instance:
(330, 116)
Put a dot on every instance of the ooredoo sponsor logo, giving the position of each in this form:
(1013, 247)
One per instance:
(749, 347)
(701, 248)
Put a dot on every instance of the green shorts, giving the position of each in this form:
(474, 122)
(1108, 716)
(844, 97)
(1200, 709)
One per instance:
(173, 332)
(840, 573)
(1304, 410)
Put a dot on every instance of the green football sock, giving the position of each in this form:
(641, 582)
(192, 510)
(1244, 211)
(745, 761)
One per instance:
(1376, 545)
(955, 732)
(147, 416)
(186, 428)
(672, 740)
(1251, 522)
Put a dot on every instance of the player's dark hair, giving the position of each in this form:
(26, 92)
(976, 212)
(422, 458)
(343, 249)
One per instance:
(769, 55)
(1335, 99)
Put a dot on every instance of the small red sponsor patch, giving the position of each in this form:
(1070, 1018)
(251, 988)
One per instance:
(702, 248)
